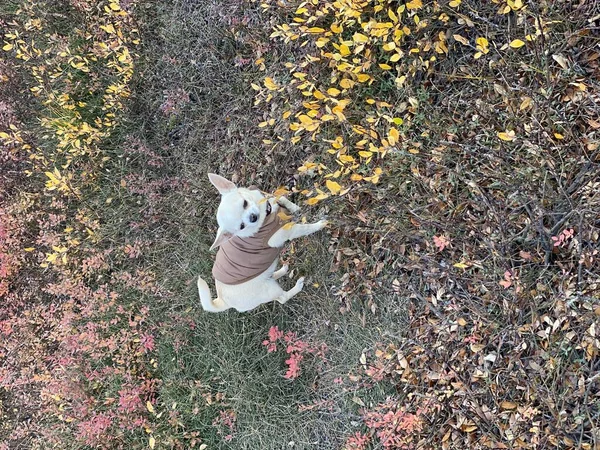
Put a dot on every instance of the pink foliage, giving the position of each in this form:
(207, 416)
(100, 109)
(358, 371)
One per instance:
(563, 238)
(358, 441)
(147, 343)
(441, 242)
(294, 347)
(225, 423)
(94, 430)
(129, 400)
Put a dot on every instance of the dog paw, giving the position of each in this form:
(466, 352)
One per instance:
(300, 283)
(322, 223)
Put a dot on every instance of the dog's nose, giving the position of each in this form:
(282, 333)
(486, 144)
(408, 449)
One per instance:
(253, 218)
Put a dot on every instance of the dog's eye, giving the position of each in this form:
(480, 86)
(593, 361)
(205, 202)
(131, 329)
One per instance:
(242, 226)
(245, 205)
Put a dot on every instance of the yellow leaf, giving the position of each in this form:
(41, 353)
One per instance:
(558, 136)
(149, 407)
(288, 225)
(346, 83)
(356, 177)
(507, 135)
(336, 28)
(517, 43)
(7, 47)
(385, 66)
(360, 38)
(333, 92)
(29, 249)
(482, 46)
(344, 50)
(312, 201)
(110, 29)
(306, 120)
(414, 4)
(394, 136)
(454, 3)
(363, 77)
(333, 186)
(316, 30)
(389, 46)
(461, 265)
(281, 192)
(365, 154)
(151, 442)
(114, 6)
(375, 177)
(318, 94)
(526, 103)
(283, 216)
(270, 84)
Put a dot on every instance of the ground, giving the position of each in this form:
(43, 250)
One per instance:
(451, 303)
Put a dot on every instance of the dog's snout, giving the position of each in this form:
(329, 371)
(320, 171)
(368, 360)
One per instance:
(253, 218)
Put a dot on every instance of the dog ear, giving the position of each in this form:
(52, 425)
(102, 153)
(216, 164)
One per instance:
(222, 237)
(223, 185)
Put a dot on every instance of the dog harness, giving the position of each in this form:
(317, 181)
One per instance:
(242, 258)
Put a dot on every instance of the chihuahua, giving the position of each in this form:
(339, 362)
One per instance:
(251, 233)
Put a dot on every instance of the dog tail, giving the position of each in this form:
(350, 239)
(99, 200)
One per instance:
(216, 305)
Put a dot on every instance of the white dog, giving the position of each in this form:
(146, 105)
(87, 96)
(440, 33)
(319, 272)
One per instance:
(250, 238)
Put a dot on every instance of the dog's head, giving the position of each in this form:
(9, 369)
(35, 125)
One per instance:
(241, 211)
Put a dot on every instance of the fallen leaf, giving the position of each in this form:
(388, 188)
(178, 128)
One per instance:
(270, 84)
(507, 135)
(560, 59)
(333, 186)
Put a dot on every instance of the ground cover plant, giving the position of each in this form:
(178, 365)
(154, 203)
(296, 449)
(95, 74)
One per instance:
(453, 301)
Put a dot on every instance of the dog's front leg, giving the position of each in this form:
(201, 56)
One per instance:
(291, 207)
(298, 230)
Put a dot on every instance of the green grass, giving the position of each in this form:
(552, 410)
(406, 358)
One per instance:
(189, 47)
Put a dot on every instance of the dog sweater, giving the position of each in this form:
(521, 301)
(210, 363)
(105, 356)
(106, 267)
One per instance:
(241, 259)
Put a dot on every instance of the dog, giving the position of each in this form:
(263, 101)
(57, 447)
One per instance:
(250, 237)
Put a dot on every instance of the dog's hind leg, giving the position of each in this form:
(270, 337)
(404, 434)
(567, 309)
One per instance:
(285, 296)
(216, 305)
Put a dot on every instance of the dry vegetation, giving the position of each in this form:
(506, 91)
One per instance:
(453, 302)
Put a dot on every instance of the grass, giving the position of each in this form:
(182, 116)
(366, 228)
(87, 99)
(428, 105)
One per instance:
(517, 361)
